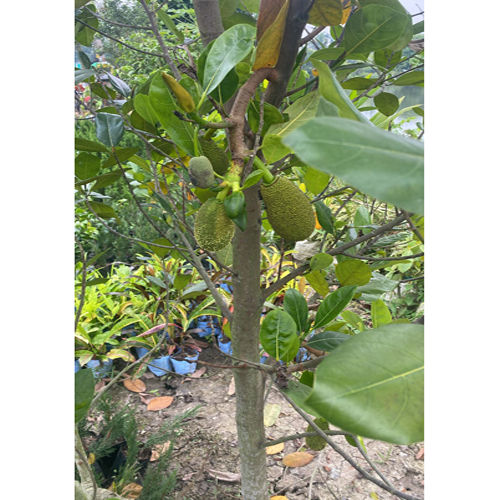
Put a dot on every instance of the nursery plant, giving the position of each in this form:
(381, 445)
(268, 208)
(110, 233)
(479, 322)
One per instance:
(276, 127)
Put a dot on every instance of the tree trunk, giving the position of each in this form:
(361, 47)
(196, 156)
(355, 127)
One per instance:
(245, 327)
(208, 19)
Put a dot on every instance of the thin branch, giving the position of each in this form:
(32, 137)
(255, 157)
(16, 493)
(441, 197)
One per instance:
(120, 41)
(148, 28)
(413, 227)
(374, 259)
(84, 284)
(311, 35)
(303, 435)
(306, 365)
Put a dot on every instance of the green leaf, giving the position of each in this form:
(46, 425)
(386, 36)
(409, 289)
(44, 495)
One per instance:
(299, 393)
(252, 179)
(107, 179)
(320, 261)
(326, 13)
(119, 155)
(83, 74)
(164, 107)
(109, 128)
(326, 108)
(167, 21)
(376, 27)
(353, 319)
(412, 78)
(119, 85)
(329, 54)
(386, 103)
(83, 34)
(307, 378)
(377, 286)
(327, 341)
(272, 116)
(324, 215)
(228, 50)
(362, 217)
(278, 335)
(387, 58)
(160, 251)
(87, 165)
(181, 281)
(358, 83)
(380, 313)
(332, 91)
(317, 280)
(315, 180)
(295, 305)
(372, 384)
(301, 111)
(86, 145)
(386, 166)
(103, 211)
(143, 107)
(418, 27)
(84, 392)
(333, 305)
(353, 272)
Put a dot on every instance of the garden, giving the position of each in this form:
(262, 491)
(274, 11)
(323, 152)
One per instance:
(249, 249)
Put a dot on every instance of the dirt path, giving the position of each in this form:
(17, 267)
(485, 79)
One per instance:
(209, 443)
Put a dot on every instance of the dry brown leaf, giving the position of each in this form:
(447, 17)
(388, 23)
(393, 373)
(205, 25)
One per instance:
(276, 448)
(158, 450)
(230, 477)
(199, 372)
(160, 403)
(269, 44)
(231, 389)
(297, 459)
(132, 490)
(420, 454)
(134, 384)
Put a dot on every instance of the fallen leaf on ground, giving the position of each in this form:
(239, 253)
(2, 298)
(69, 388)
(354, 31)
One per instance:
(297, 459)
(132, 490)
(158, 450)
(134, 384)
(230, 477)
(231, 389)
(276, 448)
(420, 454)
(199, 372)
(271, 413)
(160, 403)
(279, 497)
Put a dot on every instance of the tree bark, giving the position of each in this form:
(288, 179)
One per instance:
(245, 328)
(209, 19)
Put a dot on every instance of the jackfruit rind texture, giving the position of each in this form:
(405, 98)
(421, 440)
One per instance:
(317, 442)
(216, 155)
(201, 172)
(213, 229)
(288, 209)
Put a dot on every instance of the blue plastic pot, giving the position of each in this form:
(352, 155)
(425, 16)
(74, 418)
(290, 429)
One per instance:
(206, 327)
(100, 368)
(226, 347)
(226, 287)
(162, 365)
(184, 367)
(77, 366)
(302, 355)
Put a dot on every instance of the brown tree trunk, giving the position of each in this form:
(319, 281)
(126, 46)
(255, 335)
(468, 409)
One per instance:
(208, 19)
(245, 329)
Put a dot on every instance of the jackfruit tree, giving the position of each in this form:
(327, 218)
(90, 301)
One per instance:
(282, 127)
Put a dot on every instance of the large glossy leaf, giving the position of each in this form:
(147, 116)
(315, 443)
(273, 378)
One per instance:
(386, 103)
(372, 385)
(164, 107)
(376, 27)
(228, 50)
(295, 305)
(332, 91)
(86, 165)
(299, 392)
(353, 272)
(386, 166)
(327, 341)
(109, 128)
(84, 391)
(278, 335)
(143, 107)
(102, 210)
(315, 180)
(333, 305)
(86, 145)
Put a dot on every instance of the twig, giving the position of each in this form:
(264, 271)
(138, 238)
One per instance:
(373, 259)
(311, 35)
(300, 367)
(413, 227)
(303, 435)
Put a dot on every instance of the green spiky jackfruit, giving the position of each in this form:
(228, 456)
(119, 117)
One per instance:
(201, 172)
(288, 209)
(317, 443)
(216, 155)
(213, 229)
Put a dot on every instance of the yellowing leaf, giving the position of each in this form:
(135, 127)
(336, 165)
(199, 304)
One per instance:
(134, 385)
(279, 497)
(160, 403)
(271, 414)
(269, 45)
(302, 285)
(346, 12)
(277, 448)
(326, 13)
(158, 450)
(268, 12)
(91, 458)
(353, 272)
(132, 490)
(297, 459)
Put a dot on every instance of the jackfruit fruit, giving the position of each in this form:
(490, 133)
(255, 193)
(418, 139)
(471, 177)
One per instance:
(184, 98)
(317, 442)
(201, 172)
(216, 155)
(213, 229)
(288, 209)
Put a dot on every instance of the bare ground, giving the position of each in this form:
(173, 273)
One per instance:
(209, 443)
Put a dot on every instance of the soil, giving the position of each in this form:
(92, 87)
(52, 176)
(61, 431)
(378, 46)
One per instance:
(208, 442)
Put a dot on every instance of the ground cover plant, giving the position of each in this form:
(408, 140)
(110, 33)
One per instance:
(268, 149)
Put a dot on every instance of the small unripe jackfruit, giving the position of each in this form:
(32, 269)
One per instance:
(317, 442)
(288, 209)
(184, 98)
(201, 172)
(213, 229)
(216, 155)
